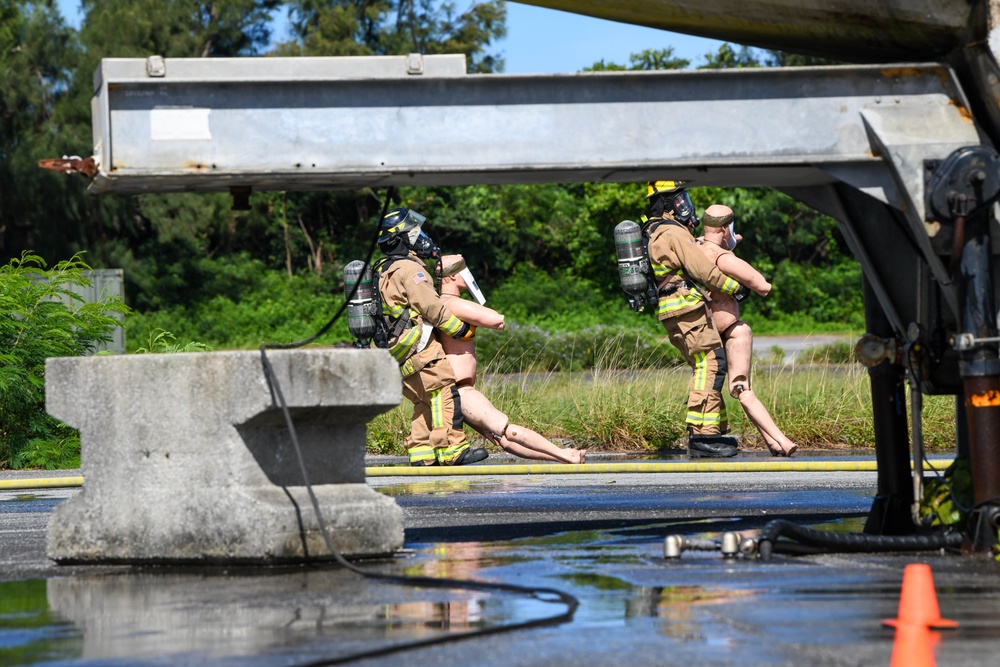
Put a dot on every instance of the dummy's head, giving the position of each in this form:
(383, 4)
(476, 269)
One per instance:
(719, 224)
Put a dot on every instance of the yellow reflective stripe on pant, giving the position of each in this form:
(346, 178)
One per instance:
(700, 379)
(422, 454)
(437, 409)
(708, 418)
(447, 455)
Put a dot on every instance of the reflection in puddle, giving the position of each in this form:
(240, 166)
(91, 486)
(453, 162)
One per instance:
(29, 633)
(285, 615)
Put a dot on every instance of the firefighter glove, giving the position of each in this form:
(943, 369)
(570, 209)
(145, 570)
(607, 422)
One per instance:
(467, 332)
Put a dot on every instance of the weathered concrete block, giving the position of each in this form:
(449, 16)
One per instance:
(186, 457)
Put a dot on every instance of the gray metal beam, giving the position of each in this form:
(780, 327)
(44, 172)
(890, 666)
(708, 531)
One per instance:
(314, 124)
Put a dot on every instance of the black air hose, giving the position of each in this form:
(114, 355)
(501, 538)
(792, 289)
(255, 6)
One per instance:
(832, 542)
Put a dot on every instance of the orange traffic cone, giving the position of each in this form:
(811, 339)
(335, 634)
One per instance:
(918, 603)
(913, 646)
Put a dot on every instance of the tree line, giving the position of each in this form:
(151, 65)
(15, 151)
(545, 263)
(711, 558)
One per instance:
(195, 266)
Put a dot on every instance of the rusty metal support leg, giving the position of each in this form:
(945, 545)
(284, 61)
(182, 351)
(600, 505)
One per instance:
(890, 512)
(980, 370)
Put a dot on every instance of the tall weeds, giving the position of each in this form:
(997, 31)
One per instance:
(624, 405)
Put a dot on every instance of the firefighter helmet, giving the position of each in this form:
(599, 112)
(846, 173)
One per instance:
(399, 224)
(672, 197)
(664, 188)
(399, 233)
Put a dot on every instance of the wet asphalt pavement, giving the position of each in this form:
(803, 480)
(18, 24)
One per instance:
(597, 538)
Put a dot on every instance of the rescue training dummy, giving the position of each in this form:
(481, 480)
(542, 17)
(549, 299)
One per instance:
(717, 244)
(661, 264)
(410, 311)
(478, 411)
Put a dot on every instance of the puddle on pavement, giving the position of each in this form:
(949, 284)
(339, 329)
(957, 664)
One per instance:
(29, 632)
(270, 616)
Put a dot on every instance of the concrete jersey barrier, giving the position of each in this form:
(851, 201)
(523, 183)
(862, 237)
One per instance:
(187, 457)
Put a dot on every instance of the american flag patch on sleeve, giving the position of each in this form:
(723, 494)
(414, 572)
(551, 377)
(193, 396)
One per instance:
(419, 277)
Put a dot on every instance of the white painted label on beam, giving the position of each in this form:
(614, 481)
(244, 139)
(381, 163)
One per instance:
(179, 124)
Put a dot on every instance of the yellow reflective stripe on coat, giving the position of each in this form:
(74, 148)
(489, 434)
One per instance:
(452, 325)
(672, 304)
(394, 311)
(730, 286)
(402, 348)
(661, 271)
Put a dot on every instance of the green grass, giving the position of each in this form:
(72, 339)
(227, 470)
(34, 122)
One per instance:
(821, 406)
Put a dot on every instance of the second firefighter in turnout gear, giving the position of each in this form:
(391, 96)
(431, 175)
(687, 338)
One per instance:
(413, 310)
(678, 268)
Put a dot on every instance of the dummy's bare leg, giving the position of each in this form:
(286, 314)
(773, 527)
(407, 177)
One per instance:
(520, 441)
(739, 348)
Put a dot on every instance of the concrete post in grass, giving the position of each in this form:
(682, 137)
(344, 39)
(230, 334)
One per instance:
(186, 457)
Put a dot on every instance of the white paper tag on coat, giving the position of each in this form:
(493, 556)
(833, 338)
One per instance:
(473, 286)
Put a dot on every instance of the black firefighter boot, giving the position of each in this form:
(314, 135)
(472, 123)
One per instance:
(711, 446)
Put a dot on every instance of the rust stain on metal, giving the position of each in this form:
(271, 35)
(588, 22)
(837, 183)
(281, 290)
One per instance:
(988, 399)
(963, 112)
(70, 165)
(196, 166)
(900, 72)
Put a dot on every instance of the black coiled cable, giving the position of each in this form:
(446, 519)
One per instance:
(825, 541)
(538, 593)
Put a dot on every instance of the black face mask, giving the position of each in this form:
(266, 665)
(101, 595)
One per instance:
(683, 209)
(425, 248)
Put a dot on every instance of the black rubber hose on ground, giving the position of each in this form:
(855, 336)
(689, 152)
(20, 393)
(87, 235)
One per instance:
(833, 542)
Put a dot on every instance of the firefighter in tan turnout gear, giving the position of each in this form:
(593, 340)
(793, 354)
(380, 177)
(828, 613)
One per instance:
(413, 310)
(678, 267)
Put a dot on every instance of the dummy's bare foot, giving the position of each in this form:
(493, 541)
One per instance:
(570, 455)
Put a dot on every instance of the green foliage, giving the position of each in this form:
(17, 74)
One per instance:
(137, 28)
(646, 60)
(396, 27)
(159, 341)
(518, 349)
(49, 454)
(41, 317)
(240, 304)
(729, 58)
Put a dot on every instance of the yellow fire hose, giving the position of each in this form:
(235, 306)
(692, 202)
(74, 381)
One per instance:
(556, 469)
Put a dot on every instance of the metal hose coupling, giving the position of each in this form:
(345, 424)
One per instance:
(730, 545)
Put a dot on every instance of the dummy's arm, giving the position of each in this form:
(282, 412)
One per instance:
(748, 276)
(473, 313)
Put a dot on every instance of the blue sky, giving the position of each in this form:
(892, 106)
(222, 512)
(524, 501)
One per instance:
(548, 41)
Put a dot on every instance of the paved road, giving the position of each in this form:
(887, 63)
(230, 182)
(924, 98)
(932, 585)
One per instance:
(792, 346)
(598, 538)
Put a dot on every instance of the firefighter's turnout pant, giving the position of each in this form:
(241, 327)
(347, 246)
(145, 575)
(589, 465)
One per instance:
(437, 436)
(697, 339)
